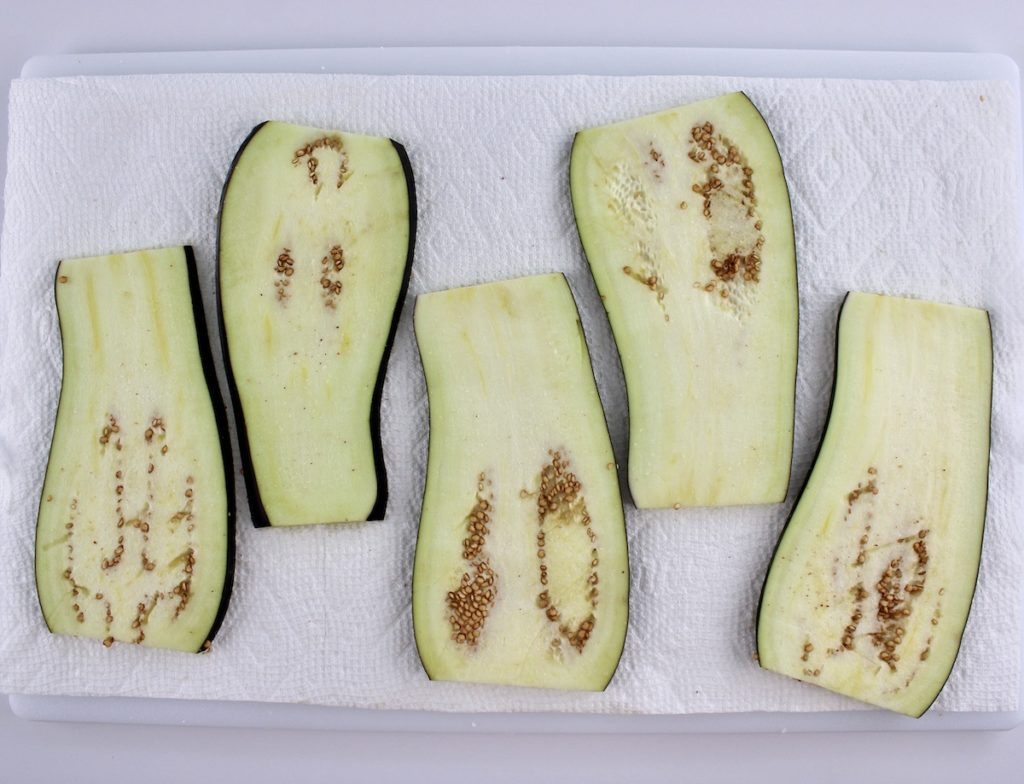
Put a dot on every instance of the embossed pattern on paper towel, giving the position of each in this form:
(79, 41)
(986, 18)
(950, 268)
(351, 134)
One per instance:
(906, 188)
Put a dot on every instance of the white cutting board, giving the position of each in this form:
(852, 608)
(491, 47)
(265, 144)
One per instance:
(511, 61)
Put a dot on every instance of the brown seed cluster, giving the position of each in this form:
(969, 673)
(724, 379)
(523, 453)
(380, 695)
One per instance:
(332, 142)
(109, 615)
(649, 277)
(859, 596)
(870, 487)
(727, 268)
(655, 162)
(185, 513)
(721, 153)
(896, 599)
(560, 502)
(284, 268)
(559, 489)
(578, 637)
(183, 591)
(330, 266)
(473, 544)
(181, 585)
(728, 184)
(471, 602)
(119, 498)
(892, 609)
(69, 526)
(110, 429)
(865, 489)
(109, 563)
(142, 613)
(156, 429)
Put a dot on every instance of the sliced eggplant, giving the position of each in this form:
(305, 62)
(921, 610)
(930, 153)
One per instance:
(872, 581)
(685, 220)
(521, 572)
(316, 238)
(134, 541)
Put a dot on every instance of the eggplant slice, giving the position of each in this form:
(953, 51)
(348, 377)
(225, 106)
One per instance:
(872, 580)
(316, 238)
(134, 541)
(685, 220)
(521, 572)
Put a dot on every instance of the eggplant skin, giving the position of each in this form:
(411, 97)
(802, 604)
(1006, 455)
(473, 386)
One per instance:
(220, 416)
(379, 508)
(260, 518)
(252, 490)
(807, 478)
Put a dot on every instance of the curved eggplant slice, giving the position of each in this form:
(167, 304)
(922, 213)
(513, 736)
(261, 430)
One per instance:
(870, 587)
(521, 572)
(135, 538)
(685, 220)
(315, 251)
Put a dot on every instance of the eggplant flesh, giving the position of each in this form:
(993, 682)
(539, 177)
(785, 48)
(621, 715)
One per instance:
(685, 221)
(871, 584)
(315, 249)
(134, 540)
(521, 574)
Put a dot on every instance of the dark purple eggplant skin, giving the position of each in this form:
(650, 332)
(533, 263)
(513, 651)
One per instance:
(817, 453)
(380, 507)
(220, 417)
(252, 490)
(260, 519)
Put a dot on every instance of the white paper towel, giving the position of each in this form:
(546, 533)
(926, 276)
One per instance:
(899, 187)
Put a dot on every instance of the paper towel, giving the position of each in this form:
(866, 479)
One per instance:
(900, 187)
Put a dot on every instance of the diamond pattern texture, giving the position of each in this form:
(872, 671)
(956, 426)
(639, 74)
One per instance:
(901, 187)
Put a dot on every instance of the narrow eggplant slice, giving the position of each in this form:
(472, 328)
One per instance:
(684, 218)
(869, 589)
(316, 238)
(521, 572)
(134, 541)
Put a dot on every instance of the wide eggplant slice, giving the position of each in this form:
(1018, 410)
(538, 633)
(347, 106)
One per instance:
(521, 572)
(134, 541)
(872, 581)
(316, 238)
(684, 218)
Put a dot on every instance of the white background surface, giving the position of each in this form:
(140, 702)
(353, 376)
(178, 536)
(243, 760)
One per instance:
(41, 752)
